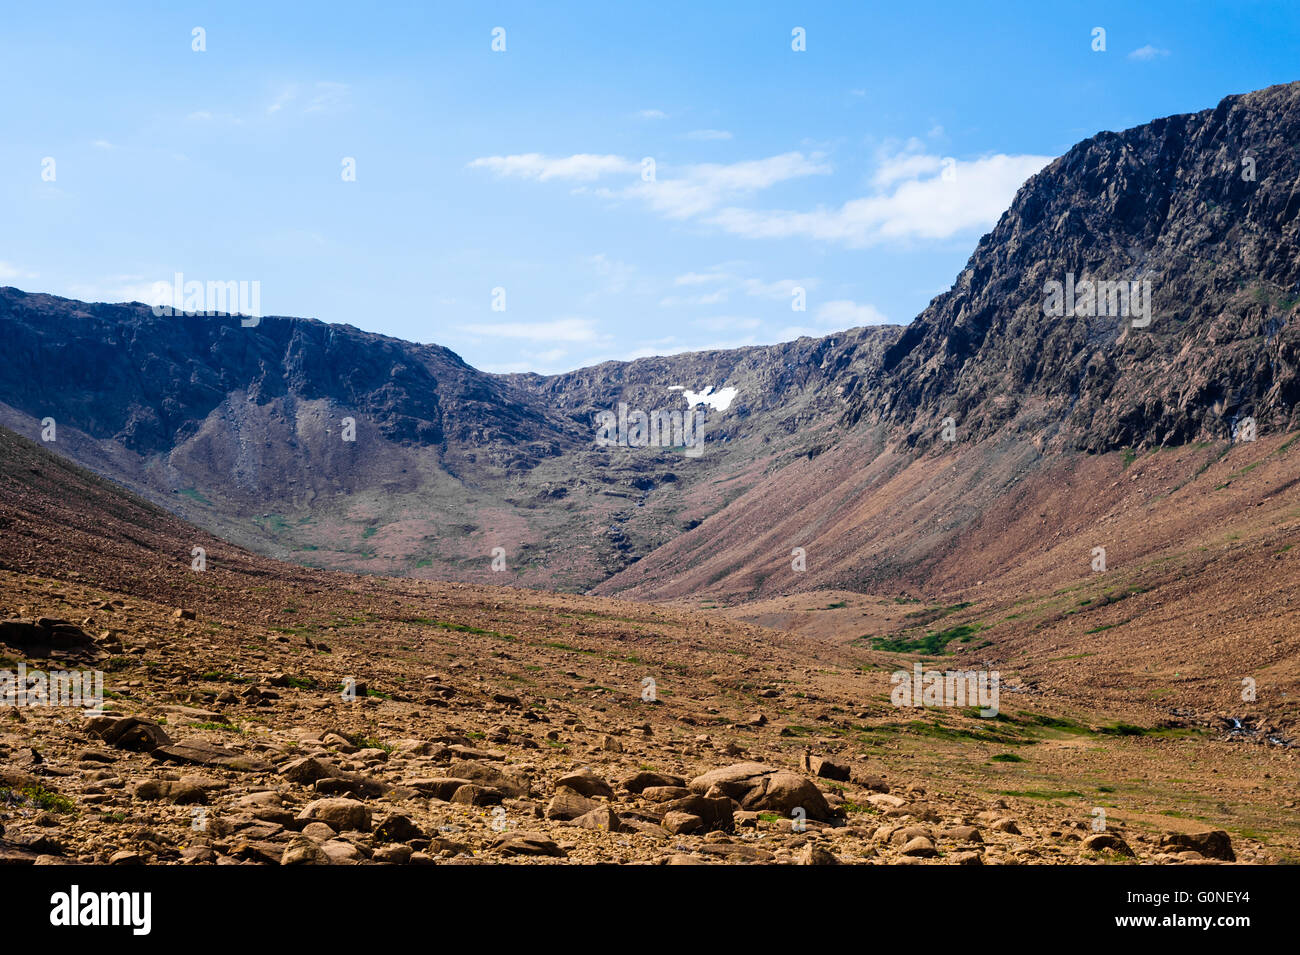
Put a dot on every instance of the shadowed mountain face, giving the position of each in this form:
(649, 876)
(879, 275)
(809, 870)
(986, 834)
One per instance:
(243, 430)
(1202, 210)
(345, 449)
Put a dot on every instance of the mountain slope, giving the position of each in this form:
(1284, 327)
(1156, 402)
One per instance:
(1031, 398)
(241, 430)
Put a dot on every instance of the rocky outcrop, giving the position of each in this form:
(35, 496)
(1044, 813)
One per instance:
(1202, 209)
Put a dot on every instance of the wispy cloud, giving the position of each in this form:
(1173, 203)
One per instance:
(652, 114)
(327, 96)
(835, 316)
(123, 288)
(10, 272)
(320, 97)
(702, 187)
(557, 330)
(729, 323)
(693, 190)
(717, 286)
(708, 135)
(580, 166)
(843, 313)
(917, 197)
(1148, 52)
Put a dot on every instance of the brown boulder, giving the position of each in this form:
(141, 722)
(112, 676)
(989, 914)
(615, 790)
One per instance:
(1213, 843)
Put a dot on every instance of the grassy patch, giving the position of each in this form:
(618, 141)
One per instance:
(361, 741)
(456, 627)
(933, 644)
(39, 797)
(1122, 729)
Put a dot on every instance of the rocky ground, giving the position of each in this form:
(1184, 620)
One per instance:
(491, 725)
(258, 712)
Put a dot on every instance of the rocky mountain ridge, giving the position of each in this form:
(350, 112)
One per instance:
(241, 429)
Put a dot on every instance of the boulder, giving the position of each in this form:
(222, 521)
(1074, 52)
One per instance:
(1103, 841)
(568, 804)
(340, 815)
(646, 779)
(1213, 843)
(528, 844)
(128, 732)
(586, 782)
(303, 851)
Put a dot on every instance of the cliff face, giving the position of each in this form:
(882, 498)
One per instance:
(119, 372)
(1202, 208)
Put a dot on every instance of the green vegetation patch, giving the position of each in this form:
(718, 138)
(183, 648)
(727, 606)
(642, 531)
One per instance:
(933, 644)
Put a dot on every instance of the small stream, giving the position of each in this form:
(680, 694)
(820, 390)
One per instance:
(1238, 728)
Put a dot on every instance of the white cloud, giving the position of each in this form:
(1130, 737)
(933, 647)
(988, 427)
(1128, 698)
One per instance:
(725, 283)
(782, 289)
(843, 313)
(319, 97)
(123, 288)
(698, 189)
(9, 272)
(915, 195)
(704, 186)
(936, 207)
(581, 166)
(102, 144)
(728, 323)
(652, 114)
(283, 99)
(558, 330)
(708, 135)
(702, 278)
(617, 275)
(207, 116)
(327, 96)
(905, 165)
(1148, 52)
(835, 316)
(716, 297)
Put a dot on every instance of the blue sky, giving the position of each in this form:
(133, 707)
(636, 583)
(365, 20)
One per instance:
(862, 169)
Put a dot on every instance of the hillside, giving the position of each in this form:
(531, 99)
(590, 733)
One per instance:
(1047, 412)
(241, 431)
